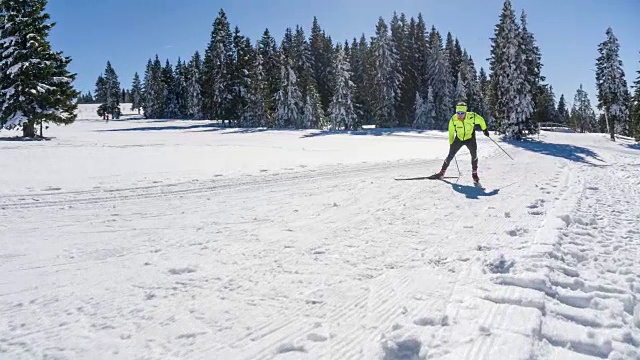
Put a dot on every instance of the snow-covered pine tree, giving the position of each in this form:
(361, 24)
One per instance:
(545, 109)
(321, 54)
(217, 70)
(271, 67)
(421, 53)
(301, 58)
(35, 85)
(386, 81)
(455, 56)
(562, 111)
(108, 88)
(461, 89)
(256, 113)
(472, 85)
(425, 114)
(243, 60)
(440, 80)
(180, 89)
(194, 89)
(312, 115)
(170, 98)
(341, 112)
(401, 44)
(510, 93)
(101, 96)
(136, 93)
(483, 102)
(613, 94)
(154, 90)
(583, 118)
(635, 108)
(532, 59)
(288, 99)
(359, 62)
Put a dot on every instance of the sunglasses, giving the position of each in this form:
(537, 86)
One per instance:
(460, 113)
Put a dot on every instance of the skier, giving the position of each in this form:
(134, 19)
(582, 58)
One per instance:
(462, 133)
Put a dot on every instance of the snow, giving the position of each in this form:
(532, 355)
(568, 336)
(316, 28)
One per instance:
(180, 239)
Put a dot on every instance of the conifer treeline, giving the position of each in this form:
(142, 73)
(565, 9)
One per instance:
(406, 75)
(313, 82)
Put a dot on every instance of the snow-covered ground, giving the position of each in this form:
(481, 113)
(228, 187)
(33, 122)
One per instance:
(180, 240)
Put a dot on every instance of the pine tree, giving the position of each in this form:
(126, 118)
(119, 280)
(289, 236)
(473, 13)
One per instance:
(532, 59)
(217, 70)
(583, 118)
(484, 108)
(321, 49)
(461, 89)
(440, 80)
(194, 88)
(562, 111)
(136, 93)
(401, 44)
(360, 61)
(154, 90)
(170, 94)
(256, 113)
(243, 60)
(421, 53)
(545, 109)
(341, 111)
(108, 93)
(386, 82)
(271, 67)
(509, 87)
(635, 109)
(180, 89)
(288, 99)
(101, 96)
(613, 94)
(424, 111)
(35, 85)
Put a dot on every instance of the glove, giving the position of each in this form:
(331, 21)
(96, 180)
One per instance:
(486, 132)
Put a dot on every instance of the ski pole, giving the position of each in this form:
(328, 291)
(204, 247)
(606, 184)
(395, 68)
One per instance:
(501, 148)
(459, 172)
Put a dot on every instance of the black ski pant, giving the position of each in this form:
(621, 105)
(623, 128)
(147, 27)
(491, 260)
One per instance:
(471, 144)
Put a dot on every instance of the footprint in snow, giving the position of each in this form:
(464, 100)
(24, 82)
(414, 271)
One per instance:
(180, 271)
(517, 232)
(438, 320)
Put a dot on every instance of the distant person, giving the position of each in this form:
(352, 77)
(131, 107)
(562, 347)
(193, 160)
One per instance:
(462, 133)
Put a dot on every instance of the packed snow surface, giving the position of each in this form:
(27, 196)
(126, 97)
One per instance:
(136, 239)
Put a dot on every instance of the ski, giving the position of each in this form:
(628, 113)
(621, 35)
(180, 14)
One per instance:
(432, 177)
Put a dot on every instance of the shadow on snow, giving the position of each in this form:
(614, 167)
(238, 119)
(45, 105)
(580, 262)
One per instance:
(210, 126)
(566, 151)
(471, 192)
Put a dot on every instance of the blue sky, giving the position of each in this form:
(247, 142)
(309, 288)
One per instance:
(129, 32)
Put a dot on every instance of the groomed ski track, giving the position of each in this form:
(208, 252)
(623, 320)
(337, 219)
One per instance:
(338, 262)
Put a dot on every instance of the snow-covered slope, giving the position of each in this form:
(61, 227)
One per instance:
(182, 240)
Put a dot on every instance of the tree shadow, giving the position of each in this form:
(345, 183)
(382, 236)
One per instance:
(209, 126)
(372, 132)
(566, 151)
(471, 192)
(632, 146)
(25, 139)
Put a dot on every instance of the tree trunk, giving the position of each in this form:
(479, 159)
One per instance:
(611, 125)
(41, 130)
(28, 130)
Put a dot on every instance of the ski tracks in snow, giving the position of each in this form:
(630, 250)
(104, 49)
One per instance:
(340, 263)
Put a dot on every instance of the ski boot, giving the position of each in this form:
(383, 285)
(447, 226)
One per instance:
(438, 175)
(474, 175)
